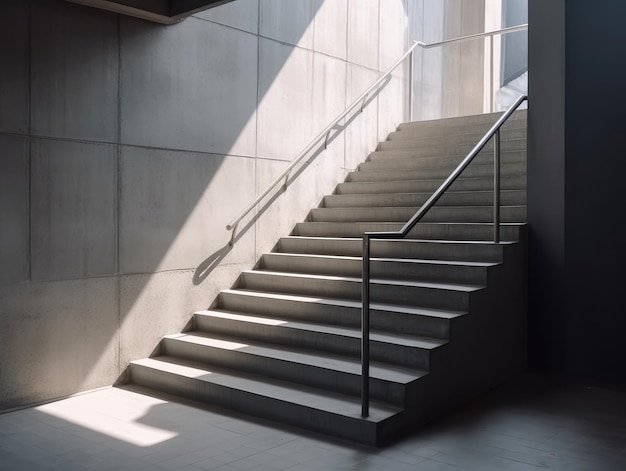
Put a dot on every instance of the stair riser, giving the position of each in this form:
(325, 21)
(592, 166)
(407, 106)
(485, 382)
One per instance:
(470, 135)
(393, 249)
(379, 269)
(256, 405)
(434, 173)
(422, 185)
(387, 160)
(436, 214)
(341, 289)
(428, 231)
(319, 377)
(484, 198)
(403, 355)
(447, 145)
(330, 314)
(462, 122)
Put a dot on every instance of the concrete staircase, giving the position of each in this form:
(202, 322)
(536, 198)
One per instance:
(448, 306)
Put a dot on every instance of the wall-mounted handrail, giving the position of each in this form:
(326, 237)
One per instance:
(487, 34)
(324, 136)
(490, 35)
(430, 202)
(362, 100)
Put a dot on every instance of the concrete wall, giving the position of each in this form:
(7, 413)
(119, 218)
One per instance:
(448, 80)
(127, 147)
(575, 179)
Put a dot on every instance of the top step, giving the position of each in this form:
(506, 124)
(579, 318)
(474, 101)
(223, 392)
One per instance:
(486, 119)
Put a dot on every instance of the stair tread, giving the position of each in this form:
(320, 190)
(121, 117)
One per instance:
(305, 396)
(468, 288)
(415, 341)
(415, 261)
(407, 241)
(317, 359)
(432, 312)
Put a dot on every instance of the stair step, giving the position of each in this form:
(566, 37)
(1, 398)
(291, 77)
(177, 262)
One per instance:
(425, 230)
(402, 292)
(312, 368)
(400, 248)
(453, 198)
(400, 214)
(465, 135)
(388, 268)
(425, 322)
(318, 410)
(409, 160)
(446, 144)
(517, 182)
(393, 348)
(432, 173)
(463, 122)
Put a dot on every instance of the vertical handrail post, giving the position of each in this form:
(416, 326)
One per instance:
(496, 187)
(365, 329)
(411, 62)
(491, 72)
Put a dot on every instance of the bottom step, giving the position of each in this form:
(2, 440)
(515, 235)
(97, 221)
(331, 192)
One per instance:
(306, 407)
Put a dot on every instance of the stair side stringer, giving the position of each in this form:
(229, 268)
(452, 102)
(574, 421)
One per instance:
(491, 338)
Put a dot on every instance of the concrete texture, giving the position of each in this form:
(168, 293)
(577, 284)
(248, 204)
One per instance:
(73, 209)
(14, 81)
(242, 14)
(448, 80)
(176, 218)
(287, 21)
(14, 202)
(172, 95)
(139, 142)
(57, 338)
(73, 89)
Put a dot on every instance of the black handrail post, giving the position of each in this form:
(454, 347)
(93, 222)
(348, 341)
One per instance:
(365, 329)
(496, 187)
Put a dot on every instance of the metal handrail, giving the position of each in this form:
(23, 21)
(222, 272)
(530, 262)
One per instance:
(363, 101)
(511, 29)
(325, 135)
(365, 316)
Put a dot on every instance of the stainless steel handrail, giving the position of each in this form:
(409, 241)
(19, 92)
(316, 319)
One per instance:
(511, 29)
(430, 202)
(325, 135)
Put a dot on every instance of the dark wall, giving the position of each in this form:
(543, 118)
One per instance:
(577, 163)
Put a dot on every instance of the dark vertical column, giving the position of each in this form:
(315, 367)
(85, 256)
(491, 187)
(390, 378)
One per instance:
(576, 174)
(546, 181)
(595, 174)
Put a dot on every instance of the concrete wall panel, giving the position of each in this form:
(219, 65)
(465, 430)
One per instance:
(191, 86)
(14, 54)
(73, 211)
(242, 14)
(362, 135)
(363, 32)
(331, 27)
(154, 305)
(56, 339)
(393, 17)
(285, 124)
(329, 91)
(175, 206)
(74, 71)
(14, 204)
(287, 21)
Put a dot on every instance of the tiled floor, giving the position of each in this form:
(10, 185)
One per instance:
(532, 423)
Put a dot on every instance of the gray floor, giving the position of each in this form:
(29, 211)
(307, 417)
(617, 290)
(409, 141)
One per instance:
(533, 423)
